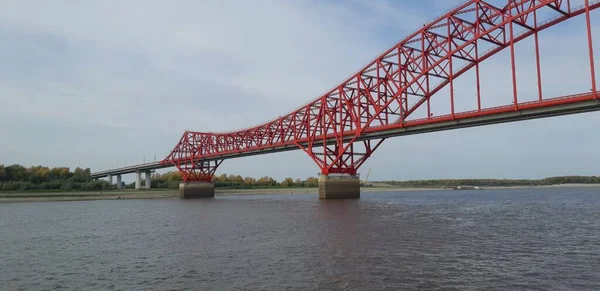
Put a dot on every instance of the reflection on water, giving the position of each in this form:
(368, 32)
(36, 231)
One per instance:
(505, 239)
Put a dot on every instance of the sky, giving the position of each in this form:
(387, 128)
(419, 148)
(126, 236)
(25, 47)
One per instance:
(100, 82)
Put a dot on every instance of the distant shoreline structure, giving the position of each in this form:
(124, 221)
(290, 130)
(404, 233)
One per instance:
(464, 188)
(472, 184)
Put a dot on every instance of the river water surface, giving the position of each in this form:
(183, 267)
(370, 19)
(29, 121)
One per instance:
(539, 239)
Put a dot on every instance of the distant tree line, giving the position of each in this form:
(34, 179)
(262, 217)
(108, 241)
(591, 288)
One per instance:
(40, 178)
(19, 178)
(496, 182)
(172, 180)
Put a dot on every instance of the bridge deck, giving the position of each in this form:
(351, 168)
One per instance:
(549, 108)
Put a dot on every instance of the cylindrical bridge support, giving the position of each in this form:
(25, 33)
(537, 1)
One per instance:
(119, 182)
(110, 179)
(148, 183)
(138, 180)
(339, 187)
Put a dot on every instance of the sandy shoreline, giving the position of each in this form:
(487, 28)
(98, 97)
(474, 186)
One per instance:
(45, 197)
(165, 194)
(114, 195)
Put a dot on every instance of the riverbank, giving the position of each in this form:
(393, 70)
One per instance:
(168, 193)
(83, 196)
(172, 193)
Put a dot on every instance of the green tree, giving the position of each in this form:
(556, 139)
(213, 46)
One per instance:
(272, 182)
(16, 173)
(2, 174)
(78, 175)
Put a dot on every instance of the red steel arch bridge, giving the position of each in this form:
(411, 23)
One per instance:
(393, 95)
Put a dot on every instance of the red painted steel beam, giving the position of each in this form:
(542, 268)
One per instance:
(385, 93)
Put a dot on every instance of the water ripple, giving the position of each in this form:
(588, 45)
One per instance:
(539, 239)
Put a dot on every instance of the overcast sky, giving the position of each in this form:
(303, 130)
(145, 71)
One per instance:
(87, 83)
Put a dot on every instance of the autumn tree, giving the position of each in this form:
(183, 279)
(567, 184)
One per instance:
(231, 178)
(264, 181)
(223, 179)
(59, 173)
(287, 182)
(39, 174)
(173, 176)
(312, 182)
(249, 181)
(267, 181)
(238, 179)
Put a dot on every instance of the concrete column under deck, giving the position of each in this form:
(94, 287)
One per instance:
(110, 179)
(138, 180)
(119, 182)
(191, 190)
(339, 187)
(148, 183)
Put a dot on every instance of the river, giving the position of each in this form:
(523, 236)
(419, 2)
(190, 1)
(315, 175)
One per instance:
(539, 239)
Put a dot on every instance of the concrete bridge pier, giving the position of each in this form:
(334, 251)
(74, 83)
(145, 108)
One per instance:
(119, 182)
(339, 187)
(110, 180)
(148, 183)
(191, 190)
(138, 180)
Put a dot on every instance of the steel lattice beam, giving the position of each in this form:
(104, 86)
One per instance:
(384, 94)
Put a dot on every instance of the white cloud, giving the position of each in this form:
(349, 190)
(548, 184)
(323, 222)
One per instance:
(130, 76)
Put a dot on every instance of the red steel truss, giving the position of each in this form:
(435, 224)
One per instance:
(385, 94)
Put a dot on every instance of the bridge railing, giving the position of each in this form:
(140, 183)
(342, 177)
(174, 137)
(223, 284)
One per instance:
(131, 168)
(490, 109)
